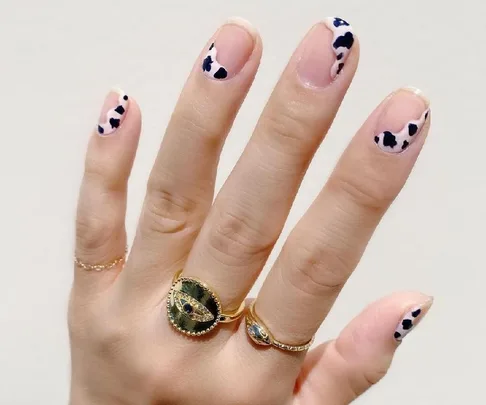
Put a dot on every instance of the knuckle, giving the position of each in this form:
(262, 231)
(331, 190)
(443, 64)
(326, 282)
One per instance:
(110, 335)
(93, 232)
(373, 377)
(367, 193)
(96, 323)
(234, 239)
(316, 268)
(291, 126)
(195, 121)
(167, 213)
(107, 176)
(358, 377)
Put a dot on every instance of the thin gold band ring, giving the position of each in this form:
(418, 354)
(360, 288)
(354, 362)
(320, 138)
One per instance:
(100, 267)
(259, 334)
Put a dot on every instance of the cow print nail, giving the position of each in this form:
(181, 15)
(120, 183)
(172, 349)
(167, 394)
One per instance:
(211, 67)
(407, 324)
(400, 141)
(114, 116)
(342, 42)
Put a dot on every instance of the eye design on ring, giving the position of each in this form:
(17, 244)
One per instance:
(192, 308)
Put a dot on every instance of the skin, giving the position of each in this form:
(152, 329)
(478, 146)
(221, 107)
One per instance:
(124, 351)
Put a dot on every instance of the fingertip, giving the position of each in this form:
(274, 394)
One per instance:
(419, 93)
(375, 331)
(120, 116)
(245, 24)
(401, 120)
(114, 141)
(233, 51)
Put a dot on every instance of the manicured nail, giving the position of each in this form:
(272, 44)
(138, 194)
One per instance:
(402, 120)
(230, 50)
(326, 49)
(412, 319)
(113, 112)
(343, 40)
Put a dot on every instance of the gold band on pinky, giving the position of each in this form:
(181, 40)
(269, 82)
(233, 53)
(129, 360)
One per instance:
(103, 266)
(259, 334)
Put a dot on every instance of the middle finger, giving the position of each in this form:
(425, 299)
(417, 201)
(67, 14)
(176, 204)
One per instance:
(251, 209)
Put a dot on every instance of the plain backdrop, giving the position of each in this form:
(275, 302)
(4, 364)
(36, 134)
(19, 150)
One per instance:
(59, 58)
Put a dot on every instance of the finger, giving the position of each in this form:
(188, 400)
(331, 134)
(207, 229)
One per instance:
(327, 244)
(339, 371)
(100, 224)
(181, 185)
(251, 209)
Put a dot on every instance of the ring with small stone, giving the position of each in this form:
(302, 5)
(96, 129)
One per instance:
(194, 309)
(259, 334)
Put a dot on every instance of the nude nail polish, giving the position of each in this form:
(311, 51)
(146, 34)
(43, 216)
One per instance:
(402, 120)
(411, 319)
(230, 50)
(325, 50)
(113, 112)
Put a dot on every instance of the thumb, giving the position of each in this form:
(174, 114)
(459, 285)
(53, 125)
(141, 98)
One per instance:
(338, 371)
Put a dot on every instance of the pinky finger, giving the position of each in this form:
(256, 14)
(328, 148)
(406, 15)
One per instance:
(100, 223)
(339, 371)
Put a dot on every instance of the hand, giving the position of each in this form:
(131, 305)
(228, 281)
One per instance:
(125, 350)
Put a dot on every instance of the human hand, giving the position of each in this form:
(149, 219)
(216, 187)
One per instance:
(125, 350)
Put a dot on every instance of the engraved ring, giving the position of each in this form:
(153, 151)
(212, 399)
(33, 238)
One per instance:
(260, 334)
(194, 309)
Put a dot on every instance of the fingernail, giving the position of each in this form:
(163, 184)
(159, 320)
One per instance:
(230, 50)
(113, 112)
(402, 120)
(326, 49)
(411, 319)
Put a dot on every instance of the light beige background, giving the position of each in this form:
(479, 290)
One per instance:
(58, 58)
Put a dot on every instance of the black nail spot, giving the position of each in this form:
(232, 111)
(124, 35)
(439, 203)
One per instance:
(340, 67)
(120, 110)
(389, 139)
(212, 46)
(426, 115)
(339, 21)
(416, 313)
(221, 73)
(340, 56)
(125, 97)
(397, 335)
(100, 129)
(405, 145)
(407, 324)
(346, 41)
(377, 139)
(206, 66)
(114, 122)
(412, 129)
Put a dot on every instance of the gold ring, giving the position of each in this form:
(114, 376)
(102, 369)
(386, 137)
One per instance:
(260, 334)
(100, 267)
(194, 309)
